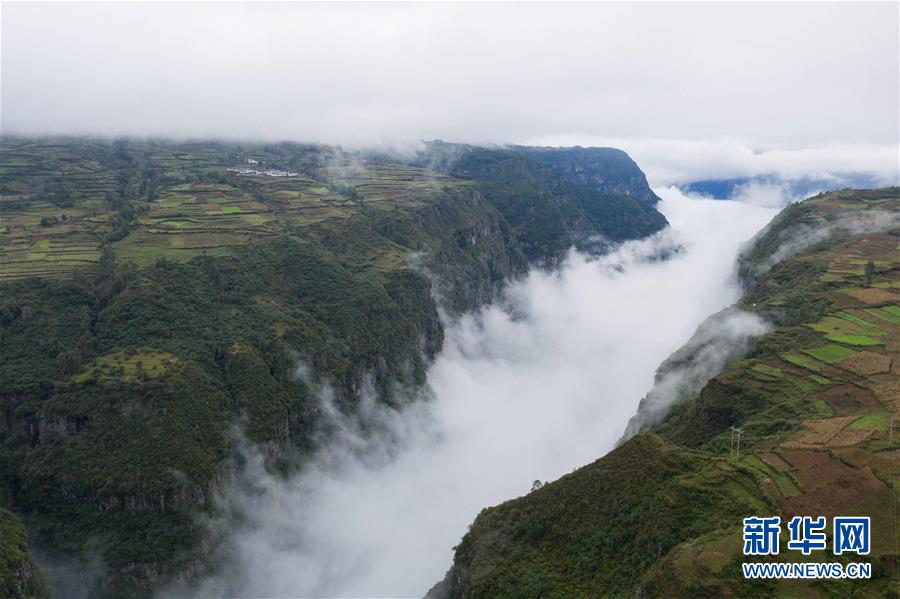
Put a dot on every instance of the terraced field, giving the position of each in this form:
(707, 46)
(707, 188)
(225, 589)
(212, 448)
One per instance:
(190, 219)
(826, 407)
(386, 186)
(818, 401)
(59, 200)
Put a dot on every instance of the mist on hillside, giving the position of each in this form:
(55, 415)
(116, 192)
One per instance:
(527, 389)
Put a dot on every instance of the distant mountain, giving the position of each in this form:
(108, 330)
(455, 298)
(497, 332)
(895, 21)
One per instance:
(609, 170)
(551, 199)
(792, 188)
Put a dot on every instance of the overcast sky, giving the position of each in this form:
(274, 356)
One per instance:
(759, 75)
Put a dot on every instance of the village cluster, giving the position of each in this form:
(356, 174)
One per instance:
(254, 170)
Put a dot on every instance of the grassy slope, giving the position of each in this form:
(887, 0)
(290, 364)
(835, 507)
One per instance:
(660, 515)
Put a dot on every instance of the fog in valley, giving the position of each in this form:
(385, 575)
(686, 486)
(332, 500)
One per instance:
(527, 389)
(550, 376)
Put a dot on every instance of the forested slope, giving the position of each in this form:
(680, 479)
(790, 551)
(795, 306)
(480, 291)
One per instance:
(156, 296)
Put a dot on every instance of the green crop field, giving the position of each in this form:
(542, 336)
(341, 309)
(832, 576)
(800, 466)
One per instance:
(830, 353)
(889, 314)
(860, 340)
(859, 322)
(803, 360)
(63, 203)
(879, 421)
(845, 324)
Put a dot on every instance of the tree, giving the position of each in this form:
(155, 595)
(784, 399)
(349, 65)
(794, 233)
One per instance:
(870, 272)
(536, 485)
(107, 257)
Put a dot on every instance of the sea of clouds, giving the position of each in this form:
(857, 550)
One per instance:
(527, 389)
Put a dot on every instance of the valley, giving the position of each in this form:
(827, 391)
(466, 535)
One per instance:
(179, 329)
(814, 398)
(153, 300)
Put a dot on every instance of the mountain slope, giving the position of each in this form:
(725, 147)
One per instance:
(548, 208)
(609, 170)
(815, 396)
(153, 300)
(19, 576)
(155, 295)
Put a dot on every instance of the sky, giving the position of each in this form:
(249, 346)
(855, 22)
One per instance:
(528, 388)
(717, 84)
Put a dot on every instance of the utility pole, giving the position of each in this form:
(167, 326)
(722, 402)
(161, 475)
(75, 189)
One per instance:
(891, 434)
(731, 447)
(737, 447)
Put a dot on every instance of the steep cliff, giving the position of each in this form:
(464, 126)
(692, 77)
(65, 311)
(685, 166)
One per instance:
(156, 295)
(548, 209)
(609, 170)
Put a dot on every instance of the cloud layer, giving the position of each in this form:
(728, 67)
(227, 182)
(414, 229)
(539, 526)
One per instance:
(675, 161)
(767, 73)
(528, 389)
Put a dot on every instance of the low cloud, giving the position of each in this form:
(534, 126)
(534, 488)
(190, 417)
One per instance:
(678, 161)
(792, 240)
(773, 195)
(725, 337)
(530, 388)
(719, 341)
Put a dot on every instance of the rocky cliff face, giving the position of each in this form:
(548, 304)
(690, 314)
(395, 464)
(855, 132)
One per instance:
(467, 247)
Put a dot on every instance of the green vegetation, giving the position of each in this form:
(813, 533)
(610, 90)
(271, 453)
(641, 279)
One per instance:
(19, 576)
(864, 324)
(830, 353)
(548, 211)
(804, 361)
(607, 170)
(879, 421)
(152, 298)
(854, 339)
(659, 516)
(889, 314)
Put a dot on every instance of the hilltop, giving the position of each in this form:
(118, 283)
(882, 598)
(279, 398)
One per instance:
(609, 170)
(815, 391)
(556, 198)
(154, 295)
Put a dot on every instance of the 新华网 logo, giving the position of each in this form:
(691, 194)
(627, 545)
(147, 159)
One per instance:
(849, 534)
